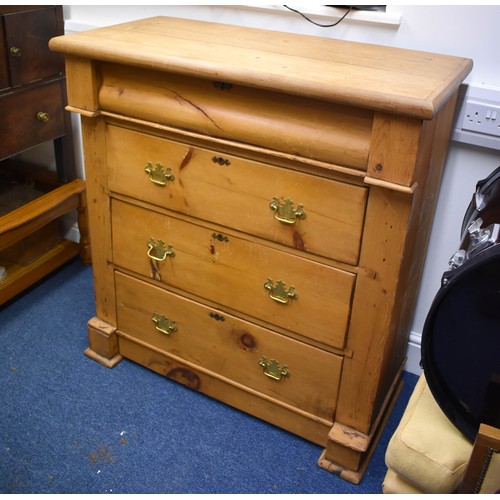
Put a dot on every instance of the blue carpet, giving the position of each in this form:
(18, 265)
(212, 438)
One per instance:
(69, 425)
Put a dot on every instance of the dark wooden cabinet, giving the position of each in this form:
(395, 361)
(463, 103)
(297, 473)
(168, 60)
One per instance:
(32, 111)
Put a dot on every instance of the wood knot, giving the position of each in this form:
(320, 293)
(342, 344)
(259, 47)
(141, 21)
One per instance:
(185, 377)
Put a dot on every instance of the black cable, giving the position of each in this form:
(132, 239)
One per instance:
(314, 22)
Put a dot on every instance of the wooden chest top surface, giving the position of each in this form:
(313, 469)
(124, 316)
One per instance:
(408, 82)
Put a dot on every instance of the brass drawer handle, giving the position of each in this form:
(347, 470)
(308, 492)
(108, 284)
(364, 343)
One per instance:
(42, 117)
(279, 292)
(158, 251)
(15, 51)
(272, 369)
(163, 324)
(285, 212)
(158, 174)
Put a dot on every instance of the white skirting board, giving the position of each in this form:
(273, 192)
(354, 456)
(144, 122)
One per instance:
(413, 354)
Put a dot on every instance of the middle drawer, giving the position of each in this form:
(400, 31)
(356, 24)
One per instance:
(297, 294)
(303, 211)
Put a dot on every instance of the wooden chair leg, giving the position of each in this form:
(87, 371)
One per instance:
(480, 469)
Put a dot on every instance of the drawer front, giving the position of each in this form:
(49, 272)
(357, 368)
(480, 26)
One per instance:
(304, 377)
(4, 73)
(290, 124)
(305, 297)
(28, 34)
(325, 217)
(20, 114)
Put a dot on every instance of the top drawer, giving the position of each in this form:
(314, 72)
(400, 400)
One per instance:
(283, 122)
(246, 195)
(27, 37)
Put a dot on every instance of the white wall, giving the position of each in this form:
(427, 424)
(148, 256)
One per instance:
(469, 31)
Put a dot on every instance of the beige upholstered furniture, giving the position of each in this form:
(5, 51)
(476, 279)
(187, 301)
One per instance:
(260, 205)
(427, 454)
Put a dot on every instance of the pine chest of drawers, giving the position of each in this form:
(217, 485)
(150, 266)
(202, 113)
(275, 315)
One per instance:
(259, 206)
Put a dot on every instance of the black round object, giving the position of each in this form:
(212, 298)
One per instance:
(461, 343)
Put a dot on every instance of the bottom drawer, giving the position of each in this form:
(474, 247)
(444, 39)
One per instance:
(229, 348)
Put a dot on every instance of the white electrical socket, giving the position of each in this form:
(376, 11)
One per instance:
(475, 119)
(481, 117)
